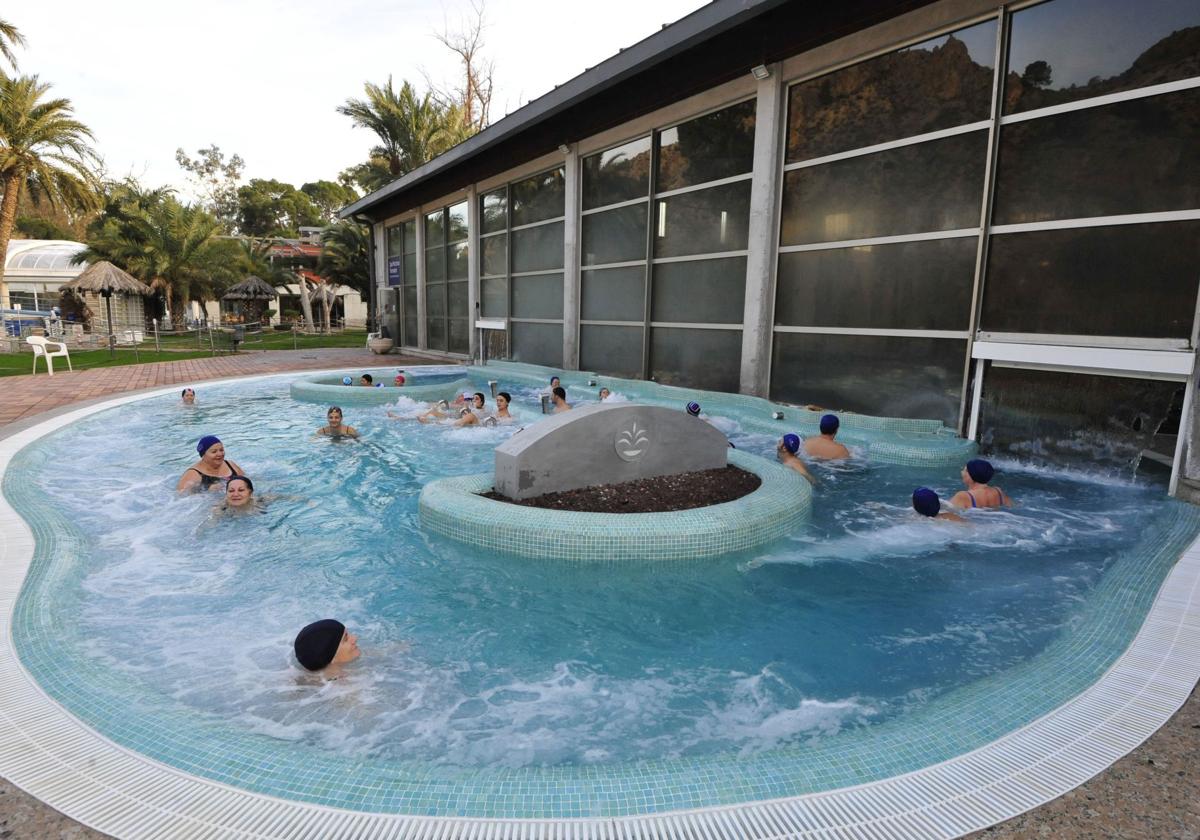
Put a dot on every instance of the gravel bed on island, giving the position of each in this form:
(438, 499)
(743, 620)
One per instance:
(683, 491)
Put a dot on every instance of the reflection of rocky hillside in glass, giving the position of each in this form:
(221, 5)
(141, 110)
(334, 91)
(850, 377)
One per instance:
(887, 98)
(617, 175)
(1137, 156)
(537, 198)
(716, 145)
(930, 186)
(1176, 56)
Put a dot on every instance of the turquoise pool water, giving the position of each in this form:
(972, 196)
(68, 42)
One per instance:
(490, 682)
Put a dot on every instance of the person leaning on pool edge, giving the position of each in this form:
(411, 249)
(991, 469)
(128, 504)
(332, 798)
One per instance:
(324, 643)
(211, 470)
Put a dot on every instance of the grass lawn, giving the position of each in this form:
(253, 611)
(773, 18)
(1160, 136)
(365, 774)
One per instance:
(273, 340)
(16, 364)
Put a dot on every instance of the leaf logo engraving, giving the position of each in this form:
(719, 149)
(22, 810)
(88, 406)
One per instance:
(632, 442)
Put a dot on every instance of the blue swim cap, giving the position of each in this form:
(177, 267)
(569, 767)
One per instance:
(693, 408)
(926, 502)
(980, 470)
(346, 380)
(791, 443)
(830, 424)
(206, 443)
(378, 384)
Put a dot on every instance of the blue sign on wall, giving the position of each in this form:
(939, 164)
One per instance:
(393, 264)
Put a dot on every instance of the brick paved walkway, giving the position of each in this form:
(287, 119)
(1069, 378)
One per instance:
(21, 397)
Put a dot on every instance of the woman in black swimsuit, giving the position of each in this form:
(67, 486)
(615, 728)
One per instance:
(212, 470)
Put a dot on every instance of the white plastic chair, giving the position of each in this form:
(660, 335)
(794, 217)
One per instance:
(40, 349)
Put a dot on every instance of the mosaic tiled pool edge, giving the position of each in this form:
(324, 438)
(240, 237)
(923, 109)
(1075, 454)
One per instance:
(319, 392)
(963, 721)
(452, 508)
(890, 440)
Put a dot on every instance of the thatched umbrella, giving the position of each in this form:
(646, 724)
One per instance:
(104, 278)
(252, 288)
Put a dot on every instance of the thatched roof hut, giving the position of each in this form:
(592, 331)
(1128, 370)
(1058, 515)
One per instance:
(252, 288)
(105, 278)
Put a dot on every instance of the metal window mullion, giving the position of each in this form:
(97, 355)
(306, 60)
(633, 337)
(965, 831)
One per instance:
(884, 332)
(617, 206)
(900, 238)
(541, 223)
(697, 325)
(603, 323)
(1152, 218)
(916, 139)
(538, 273)
(985, 223)
(1101, 101)
(720, 182)
(602, 266)
(651, 226)
(715, 255)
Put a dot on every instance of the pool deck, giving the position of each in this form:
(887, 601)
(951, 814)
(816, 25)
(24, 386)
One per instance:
(1151, 792)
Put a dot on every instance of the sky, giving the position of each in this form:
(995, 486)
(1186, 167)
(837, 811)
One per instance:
(263, 78)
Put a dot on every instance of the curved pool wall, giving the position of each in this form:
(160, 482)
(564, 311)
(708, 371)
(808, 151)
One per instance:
(453, 508)
(328, 389)
(956, 724)
(888, 440)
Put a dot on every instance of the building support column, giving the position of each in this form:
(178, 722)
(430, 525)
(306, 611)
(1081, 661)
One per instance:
(422, 338)
(571, 235)
(380, 290)
(764, 236)
(472, 270)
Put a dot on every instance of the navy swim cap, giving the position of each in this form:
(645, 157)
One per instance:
(926, 502)
(830, 424)
(693, 408)
(791, 443)
(980, 470)
(206, 443)
(317, 644)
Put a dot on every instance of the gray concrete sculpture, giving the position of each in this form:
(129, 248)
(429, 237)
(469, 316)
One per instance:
(605, 444)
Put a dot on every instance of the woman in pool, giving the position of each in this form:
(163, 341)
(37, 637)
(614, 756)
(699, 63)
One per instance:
(324, 643)
(502, 415)
(336, 428)
(927, 503)
(239, 496)
(605, 394)
(212, 470)
(979, 494)
(473, 414)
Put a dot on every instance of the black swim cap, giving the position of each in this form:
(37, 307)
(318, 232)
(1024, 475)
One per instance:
(317, 644)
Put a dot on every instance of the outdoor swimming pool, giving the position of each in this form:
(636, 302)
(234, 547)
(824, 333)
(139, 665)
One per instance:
(867, 643)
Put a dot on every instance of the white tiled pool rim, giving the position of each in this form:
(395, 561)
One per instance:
(52, 755)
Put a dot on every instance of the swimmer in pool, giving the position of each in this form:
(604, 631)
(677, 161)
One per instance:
(786, 451)
(324, 643)
(825, 447)
(502, 415)
(367, 380)
(336, 428)
(560, 399)
(188, 397)
(443, 409)
(239, 496)
(212, 470)
(399, 380)
(927, 503)
(475, 413)
(554, 383)
(605, 394)
(979, 493)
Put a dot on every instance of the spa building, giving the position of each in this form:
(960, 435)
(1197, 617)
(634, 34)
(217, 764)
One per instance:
(979, 213)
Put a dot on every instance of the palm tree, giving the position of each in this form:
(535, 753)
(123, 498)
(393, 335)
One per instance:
(172, 247)
(10, 37)
(43, 149)
(345, 258)
(412, 129)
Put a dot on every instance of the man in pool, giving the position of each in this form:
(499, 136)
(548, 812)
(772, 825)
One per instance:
(324, 643)
(335, 427)
(825, 447)
(559, 396)
(367, 380)
(927, 503)
(786, 451)
(189, 396)
(979, 493)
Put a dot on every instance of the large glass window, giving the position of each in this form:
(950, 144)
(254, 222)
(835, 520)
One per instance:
(617, 350)
(908, 285)
(1070, 50)
(402, 273)
(708, 148)
(937, 84)
(521, 262)
(692, 358)
(617, 175)
(703, 222)
(882, 375)
(447, 311)
(1124, 280)
(1138, 156)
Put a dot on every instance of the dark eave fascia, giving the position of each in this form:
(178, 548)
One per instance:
(702, 24)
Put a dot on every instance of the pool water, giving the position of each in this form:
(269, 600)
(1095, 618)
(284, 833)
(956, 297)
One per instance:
(492, 661)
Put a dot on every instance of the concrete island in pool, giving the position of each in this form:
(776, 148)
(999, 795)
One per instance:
(982, 754)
